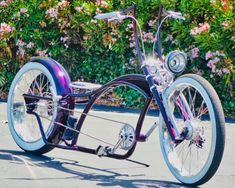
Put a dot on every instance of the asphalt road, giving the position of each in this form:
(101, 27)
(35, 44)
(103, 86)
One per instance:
(60, 168)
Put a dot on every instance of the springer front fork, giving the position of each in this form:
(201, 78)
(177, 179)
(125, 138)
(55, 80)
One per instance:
(165, 109)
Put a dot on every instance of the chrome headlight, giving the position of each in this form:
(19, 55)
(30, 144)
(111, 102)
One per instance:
(176, 61)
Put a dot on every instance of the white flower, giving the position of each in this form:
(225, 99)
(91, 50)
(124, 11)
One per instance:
(23, 10)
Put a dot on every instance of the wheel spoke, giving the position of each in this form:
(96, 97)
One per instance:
(202, 110)
(45, 87)
(39, 88)
(26, 82)
(183, 144)
(184, 160)
(192, 100)
(41, 78)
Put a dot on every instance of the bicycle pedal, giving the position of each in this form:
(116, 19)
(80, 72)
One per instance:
(69, 134)
(104, 151)
(108, 150)
(100, 151)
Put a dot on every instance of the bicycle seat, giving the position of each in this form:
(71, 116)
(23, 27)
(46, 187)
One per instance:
(85, 85)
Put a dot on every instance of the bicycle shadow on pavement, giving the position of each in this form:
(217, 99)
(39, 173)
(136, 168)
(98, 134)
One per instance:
(113, 179)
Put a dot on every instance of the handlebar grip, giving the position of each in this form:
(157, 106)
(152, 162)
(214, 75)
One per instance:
(104, 16)
(117, 14)
(176, 15)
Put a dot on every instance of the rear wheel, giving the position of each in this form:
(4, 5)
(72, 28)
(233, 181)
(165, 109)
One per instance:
(34, 79)
(198, 113)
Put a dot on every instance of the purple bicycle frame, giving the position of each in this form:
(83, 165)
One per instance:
(142, 83)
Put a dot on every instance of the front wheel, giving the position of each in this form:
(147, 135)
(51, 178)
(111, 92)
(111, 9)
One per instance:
(197, 111)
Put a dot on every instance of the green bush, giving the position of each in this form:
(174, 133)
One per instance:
(96, 51)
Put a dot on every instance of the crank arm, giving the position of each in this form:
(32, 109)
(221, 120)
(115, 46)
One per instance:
(119, 142)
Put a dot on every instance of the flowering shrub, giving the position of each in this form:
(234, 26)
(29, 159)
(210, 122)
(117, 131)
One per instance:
(202, 28)
(96, 51)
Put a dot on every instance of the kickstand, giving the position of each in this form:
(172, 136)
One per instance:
(133, 161)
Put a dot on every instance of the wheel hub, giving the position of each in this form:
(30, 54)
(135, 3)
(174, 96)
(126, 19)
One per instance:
(194, 133)
(193, 130)
(44, 107)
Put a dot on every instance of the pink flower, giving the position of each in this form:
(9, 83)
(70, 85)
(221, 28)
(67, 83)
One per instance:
(209, 55)
(52, 12)
(3, 3)
(152, 23)
(129, 26)
(20, 43)
(211, 64)
(220, 72)
(64, 3)
(4, 28)
(226, 70)
(20, 52)
(225, 24)
(223, 71)
(102, 3)
(79, 9)
(194, 53)
(132, 44)
(41, 52)
(200, 29)
(98, 11)
(30, 45)
(148, 36)
(23, 10)
(205, 27)
(216, 60)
